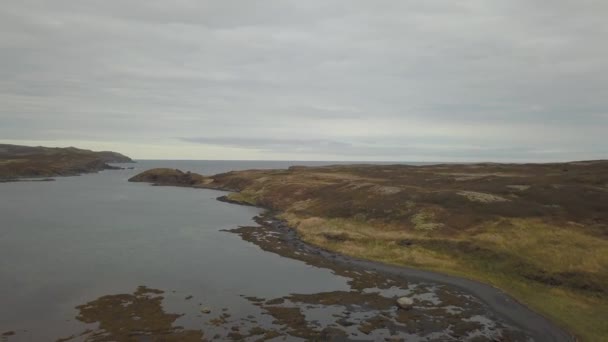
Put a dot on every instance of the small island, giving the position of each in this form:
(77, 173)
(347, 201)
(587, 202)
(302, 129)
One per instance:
(537, 231)
(21, 162)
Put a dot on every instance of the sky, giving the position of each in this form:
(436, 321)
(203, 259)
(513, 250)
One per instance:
(402, 80)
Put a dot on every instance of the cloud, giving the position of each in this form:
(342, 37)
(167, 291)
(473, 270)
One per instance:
(364, 78)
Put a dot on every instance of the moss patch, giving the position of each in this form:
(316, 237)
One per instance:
(133, 317)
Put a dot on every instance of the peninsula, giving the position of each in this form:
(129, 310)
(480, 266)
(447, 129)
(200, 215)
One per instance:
(537, 231)
(18, 162)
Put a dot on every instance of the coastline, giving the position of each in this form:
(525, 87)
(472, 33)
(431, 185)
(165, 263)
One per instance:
(533, 232)
(42, 179)
(26, 163)
(505, 306)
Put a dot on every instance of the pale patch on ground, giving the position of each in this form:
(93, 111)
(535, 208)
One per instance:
(424, 220)
(462, 176)
(359, 185)
(519, 187)
(481, 197)
(386, 190)
(601, 188)
(301, 205)
(12, 161)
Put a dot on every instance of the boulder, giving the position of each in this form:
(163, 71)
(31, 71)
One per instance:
(405, 303)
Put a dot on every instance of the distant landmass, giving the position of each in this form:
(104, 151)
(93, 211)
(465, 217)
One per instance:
(17, 162)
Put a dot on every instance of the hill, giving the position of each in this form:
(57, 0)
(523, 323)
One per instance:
(26, 161)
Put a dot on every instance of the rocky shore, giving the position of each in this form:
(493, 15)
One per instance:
(518, 322)
(441, 218)
(382, 303)
(538, 232)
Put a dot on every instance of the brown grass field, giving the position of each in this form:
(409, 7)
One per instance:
(536, 231)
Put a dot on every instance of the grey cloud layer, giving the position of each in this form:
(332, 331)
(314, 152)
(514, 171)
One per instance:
(468, 79)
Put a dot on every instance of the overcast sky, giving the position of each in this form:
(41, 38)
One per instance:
(425, 80)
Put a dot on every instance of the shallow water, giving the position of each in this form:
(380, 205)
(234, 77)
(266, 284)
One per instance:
(68, 242)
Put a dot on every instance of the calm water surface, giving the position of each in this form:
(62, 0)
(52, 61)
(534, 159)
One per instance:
(67, 242)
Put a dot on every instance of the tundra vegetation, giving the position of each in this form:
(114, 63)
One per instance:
(131, 317)
(536, 231)
(18, 162)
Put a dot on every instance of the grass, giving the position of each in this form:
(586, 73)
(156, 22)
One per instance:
(503, 254)
(243, 197)
(537, 231)
(424, 220)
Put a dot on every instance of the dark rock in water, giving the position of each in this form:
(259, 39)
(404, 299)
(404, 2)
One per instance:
(344, 322)
(231, 201)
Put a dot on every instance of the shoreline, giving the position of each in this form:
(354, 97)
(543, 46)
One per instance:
(505, 306)
(13, 180)
(464, 224)
(27, 163)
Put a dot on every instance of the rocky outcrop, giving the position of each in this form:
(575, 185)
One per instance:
(164, 176)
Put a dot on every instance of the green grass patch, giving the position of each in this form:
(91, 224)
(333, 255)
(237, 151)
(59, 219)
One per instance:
(244, 197)
(510, 255)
